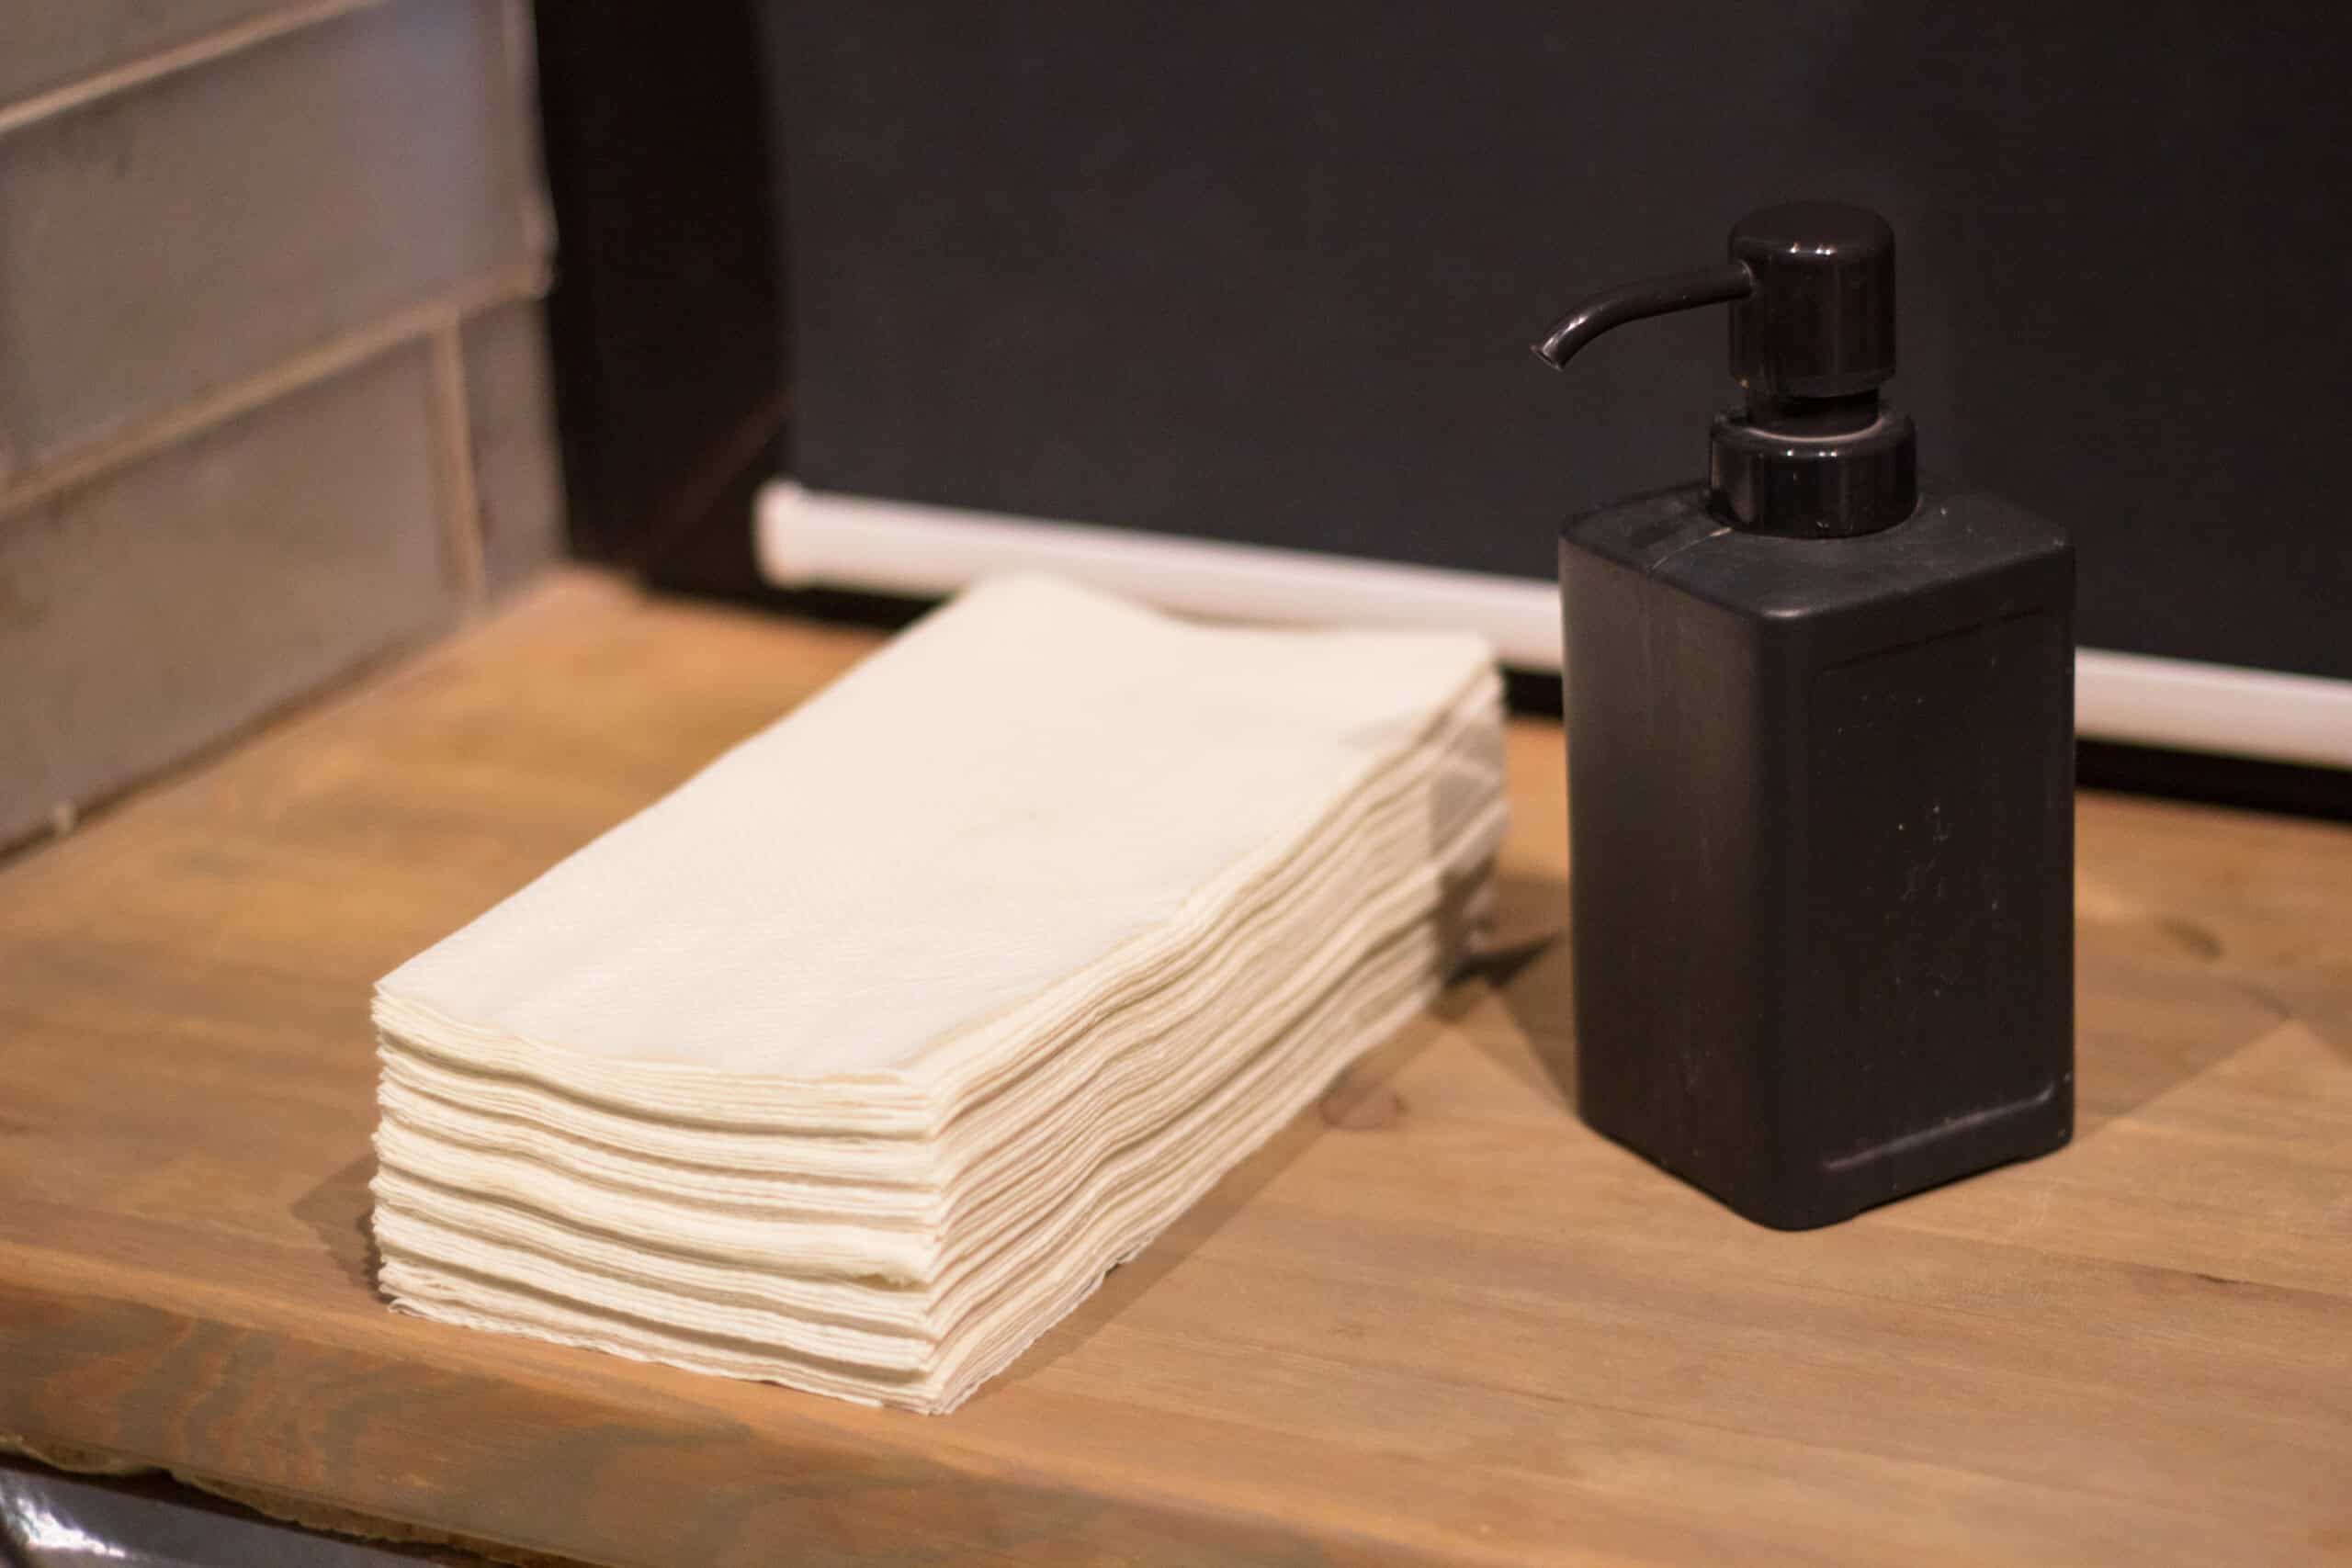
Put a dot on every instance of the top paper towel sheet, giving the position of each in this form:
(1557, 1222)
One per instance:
(1026, 781)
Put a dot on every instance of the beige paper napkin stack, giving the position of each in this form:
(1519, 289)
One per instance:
(854, 1063)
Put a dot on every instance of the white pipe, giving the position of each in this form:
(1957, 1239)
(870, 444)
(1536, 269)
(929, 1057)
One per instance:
(2213, 707)
(811, 538)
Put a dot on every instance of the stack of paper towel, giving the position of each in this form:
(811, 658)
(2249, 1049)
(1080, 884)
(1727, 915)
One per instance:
(854, 1063)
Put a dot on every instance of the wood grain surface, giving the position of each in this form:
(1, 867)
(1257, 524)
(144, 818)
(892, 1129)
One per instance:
(1439, 1318)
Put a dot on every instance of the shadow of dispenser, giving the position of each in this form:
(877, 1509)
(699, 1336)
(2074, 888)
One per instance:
(1820, 727)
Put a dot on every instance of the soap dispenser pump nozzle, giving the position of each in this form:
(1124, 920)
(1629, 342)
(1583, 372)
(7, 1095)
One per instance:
(1814, 454)
(1632, 301)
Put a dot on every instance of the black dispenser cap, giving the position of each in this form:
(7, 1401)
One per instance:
(1815, 454)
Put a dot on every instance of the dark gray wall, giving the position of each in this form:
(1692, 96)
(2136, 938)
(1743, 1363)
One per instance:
(1267, 272)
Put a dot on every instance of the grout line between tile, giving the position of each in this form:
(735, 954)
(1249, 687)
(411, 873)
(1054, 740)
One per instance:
(458, 496)
(180, 57)
(414, 321)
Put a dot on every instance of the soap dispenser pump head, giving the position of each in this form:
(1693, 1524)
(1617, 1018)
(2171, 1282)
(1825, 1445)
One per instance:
(1815, 454)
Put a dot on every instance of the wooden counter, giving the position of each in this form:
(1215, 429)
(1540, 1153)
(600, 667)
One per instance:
(1438, 1317)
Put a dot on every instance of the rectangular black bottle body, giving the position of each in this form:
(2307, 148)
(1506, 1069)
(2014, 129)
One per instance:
(1821, 842)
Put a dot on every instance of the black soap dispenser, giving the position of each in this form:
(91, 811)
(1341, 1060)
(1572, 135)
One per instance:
(1820, 729)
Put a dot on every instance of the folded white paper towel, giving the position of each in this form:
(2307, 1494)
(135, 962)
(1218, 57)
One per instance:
(856, 1061)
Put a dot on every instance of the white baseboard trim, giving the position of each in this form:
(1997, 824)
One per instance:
(813, 538)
